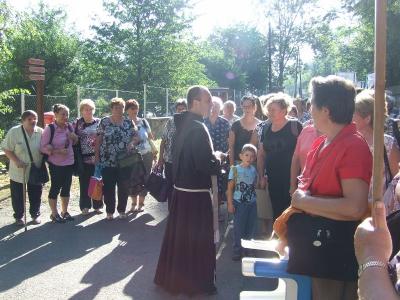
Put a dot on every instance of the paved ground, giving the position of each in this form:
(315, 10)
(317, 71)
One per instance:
(91, 258)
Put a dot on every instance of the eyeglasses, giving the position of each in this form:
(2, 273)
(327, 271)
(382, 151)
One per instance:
(247, 106)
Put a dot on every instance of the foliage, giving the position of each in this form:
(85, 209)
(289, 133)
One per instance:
(289, 22)
(235, 58)
(145, 43)
(8, 116)
(41, 33)
(350, 47)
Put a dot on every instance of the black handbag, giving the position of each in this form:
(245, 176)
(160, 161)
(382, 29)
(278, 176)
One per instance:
(157, 185)
(393, 222)
(322, 247)
(37, 176)
(128, 159)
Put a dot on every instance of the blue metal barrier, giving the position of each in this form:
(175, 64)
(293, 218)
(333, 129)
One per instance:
(297, 286)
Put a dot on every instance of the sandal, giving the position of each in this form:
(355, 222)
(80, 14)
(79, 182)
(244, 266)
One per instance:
(139, 208)
(56, 219)
(66, 216)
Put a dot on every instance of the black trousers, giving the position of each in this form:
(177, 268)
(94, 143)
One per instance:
(84, 200)
(17, 199)
(170, 184)
(112, 177)
(61, 180)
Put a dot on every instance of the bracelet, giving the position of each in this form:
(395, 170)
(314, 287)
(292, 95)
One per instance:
(372, 263)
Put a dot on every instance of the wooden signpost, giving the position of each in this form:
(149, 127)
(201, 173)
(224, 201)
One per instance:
(35, 72)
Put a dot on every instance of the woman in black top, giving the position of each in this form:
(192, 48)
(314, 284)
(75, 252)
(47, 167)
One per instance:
(275, 152)
(242, 129)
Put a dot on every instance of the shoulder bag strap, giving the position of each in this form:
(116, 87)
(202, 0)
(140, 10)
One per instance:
(52, 130)
(293, 126)
(27, 144)
(388, 173)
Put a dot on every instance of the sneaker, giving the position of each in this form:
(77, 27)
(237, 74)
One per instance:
(236, 257)
(57, 219)
(98, 211)
(122, 216)
(36, 221)
(85, 211)
(110, 217)
(67, 217)
(19, 222)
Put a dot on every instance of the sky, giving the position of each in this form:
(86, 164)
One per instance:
(209, 14)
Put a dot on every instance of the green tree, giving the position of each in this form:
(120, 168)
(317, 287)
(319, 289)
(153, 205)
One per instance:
(238, 58)
(41, 33)
(145, 43)
(351, 47)
(290, 21)
(365, 11)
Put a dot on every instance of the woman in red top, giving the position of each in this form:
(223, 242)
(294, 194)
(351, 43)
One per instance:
(333, 185)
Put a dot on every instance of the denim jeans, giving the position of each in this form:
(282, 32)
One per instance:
(244, 223)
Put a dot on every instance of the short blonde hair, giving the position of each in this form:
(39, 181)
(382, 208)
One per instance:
(87, 102)
(364, 104)
(283, 100)
(117, 101)
(218, 101)
(231, 104)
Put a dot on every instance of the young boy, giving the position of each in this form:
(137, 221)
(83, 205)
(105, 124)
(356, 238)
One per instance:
(241, 195)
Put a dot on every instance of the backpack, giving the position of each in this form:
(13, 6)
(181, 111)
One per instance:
(52, 130)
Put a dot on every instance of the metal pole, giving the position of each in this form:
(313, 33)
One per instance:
(379, 104)
(78, 100)
(116, 93)
(166, 103)
(144, 99)
(22, 103)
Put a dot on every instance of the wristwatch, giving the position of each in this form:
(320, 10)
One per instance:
(372, 263)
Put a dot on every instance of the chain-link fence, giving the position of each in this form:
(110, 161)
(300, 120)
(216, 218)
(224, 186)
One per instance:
(19, 103)
(102, 98)
(154, 101)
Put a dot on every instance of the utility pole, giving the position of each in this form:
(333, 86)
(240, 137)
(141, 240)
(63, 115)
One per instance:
(300, 83)
(269, 58)
(296, 72)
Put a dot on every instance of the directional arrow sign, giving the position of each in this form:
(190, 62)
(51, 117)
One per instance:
(33, 69)
(36, 61)
(35, 77)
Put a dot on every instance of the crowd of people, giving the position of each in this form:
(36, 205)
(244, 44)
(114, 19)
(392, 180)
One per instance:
(305, 166)
(101, 143)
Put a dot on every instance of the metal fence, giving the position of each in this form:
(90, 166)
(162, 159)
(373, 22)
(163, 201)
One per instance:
(154, 101)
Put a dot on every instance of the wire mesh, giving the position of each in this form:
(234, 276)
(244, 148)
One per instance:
(102, 98)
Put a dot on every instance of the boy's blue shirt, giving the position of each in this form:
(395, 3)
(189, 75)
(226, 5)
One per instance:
(244, 183)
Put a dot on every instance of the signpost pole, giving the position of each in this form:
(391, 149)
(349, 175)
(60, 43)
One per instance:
(40, 104)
